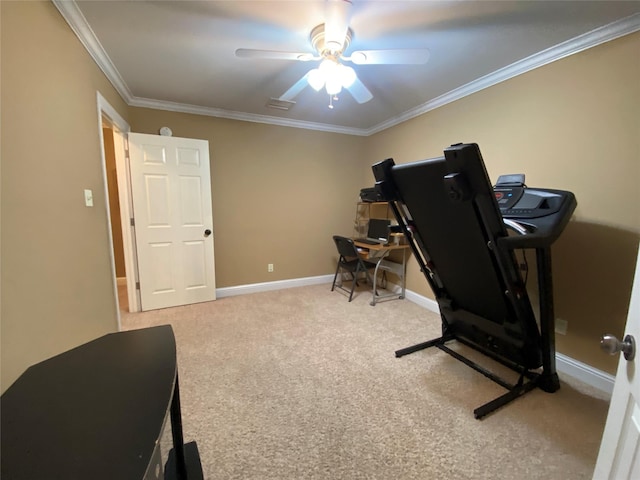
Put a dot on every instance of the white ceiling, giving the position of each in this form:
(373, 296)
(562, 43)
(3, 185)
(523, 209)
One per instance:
(180, 55)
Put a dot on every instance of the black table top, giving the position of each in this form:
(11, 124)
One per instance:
(94, 412)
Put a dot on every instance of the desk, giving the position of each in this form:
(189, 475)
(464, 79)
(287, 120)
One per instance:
(97, 412)
(378, 254)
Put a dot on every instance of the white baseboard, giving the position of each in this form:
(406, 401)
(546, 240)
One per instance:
(581, 371)
(593, 377)
(423, 301)
(270, 286)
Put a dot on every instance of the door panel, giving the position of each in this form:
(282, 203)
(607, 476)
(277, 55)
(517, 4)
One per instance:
(160, 270)
(171, 192)
(190, 202)
(195, 275)
(157, 200)
(619, 451)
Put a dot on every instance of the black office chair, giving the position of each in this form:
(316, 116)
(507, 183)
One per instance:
(351, 262)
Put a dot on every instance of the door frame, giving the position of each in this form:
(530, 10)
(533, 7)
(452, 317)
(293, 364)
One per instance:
(121, 128)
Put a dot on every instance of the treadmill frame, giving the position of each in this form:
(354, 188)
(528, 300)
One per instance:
(463, 189)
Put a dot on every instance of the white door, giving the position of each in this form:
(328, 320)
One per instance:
(171, 192)
(619, 456)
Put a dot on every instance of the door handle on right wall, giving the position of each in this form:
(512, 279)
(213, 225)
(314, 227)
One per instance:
(610, 344)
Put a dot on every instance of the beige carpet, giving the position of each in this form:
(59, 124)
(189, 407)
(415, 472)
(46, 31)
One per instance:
(301, 384)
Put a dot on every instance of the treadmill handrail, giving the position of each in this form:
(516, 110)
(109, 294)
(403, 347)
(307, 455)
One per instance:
(515, 226)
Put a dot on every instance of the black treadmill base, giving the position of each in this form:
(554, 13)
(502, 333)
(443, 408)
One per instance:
(549, 383)
(545, 381)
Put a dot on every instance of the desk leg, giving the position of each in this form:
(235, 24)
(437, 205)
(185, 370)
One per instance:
(374, 291)
(176, 432)
(400, 273)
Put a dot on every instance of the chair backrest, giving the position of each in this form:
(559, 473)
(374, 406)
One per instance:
(345, 246)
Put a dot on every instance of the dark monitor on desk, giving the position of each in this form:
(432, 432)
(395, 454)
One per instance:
(379, 229)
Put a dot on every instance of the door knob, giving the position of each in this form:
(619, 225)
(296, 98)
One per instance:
(207, 232)
(611, 345)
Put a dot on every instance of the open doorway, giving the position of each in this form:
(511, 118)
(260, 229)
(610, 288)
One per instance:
(168, 266)
(113, 131)
(111, 174)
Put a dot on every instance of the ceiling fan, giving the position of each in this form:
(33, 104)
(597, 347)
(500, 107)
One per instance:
(330, 40)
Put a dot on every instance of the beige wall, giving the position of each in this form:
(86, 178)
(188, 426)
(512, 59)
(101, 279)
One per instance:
(278, 193)
(57, 284)
(571, 125)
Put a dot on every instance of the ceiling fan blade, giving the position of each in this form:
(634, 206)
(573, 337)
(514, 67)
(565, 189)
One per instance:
(390, 57)
(336, 23)
(274, 55)
(295, 89)
(359, 92)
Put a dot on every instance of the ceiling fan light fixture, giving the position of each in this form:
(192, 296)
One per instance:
(316, 79)
(328, 67)
(333, 85)
(347, 75)
(332, 75)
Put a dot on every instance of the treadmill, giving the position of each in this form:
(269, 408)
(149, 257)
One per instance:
(463, 232)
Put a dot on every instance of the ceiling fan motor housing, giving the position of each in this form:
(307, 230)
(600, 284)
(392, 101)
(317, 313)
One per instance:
(318, 41)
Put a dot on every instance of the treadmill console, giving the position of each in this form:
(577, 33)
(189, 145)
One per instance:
(543, 212)
(522, 202)
(507, 197)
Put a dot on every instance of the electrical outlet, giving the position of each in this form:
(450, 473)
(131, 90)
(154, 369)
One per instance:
(561, 326)
(270, 267)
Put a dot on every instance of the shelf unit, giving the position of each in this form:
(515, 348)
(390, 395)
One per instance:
(367, 210)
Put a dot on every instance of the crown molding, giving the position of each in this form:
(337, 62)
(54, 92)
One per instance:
(78, 23)
(245, 117)
(588, 40)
